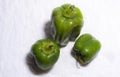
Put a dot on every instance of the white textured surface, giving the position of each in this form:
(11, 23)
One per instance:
(22, 24)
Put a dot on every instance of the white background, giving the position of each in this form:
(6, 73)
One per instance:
(22, 23)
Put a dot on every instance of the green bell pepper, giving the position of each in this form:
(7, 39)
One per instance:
(67, 21)
(46, 53)
(85, 48)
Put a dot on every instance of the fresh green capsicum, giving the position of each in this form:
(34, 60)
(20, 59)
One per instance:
(85, 48)
(46, 53)
(67, 21)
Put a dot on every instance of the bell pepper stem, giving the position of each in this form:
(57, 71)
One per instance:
(68, 12)
(50, 46)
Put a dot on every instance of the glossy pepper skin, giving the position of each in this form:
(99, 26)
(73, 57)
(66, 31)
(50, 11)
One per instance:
(46, 53)
(85, 48)
(67, 21)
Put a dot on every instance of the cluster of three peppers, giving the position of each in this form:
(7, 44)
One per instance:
(66, 25)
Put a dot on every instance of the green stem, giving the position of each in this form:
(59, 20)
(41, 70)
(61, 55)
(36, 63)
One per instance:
(50, 46)
(69, 11)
